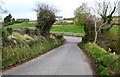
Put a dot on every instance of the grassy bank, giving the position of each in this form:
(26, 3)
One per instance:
(26, 47)
(106, 62)
(68, 28)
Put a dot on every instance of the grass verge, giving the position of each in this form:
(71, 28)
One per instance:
(106, 62)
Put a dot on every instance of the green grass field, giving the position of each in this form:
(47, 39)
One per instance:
(115, 29)
(68, 28)
(55, 28)
(22, 25)
(59, 28)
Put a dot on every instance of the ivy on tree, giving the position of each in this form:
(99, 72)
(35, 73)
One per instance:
(45, 18)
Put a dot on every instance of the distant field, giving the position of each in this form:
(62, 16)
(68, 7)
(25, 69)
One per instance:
(115, 29)
(22, 25)
(55, 28)
(60, 28)
(68, 28)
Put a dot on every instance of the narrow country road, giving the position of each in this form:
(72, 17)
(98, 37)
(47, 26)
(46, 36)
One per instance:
(67, 59)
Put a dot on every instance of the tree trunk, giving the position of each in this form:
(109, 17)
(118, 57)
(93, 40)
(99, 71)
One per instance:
(44, 33)
(96, 33)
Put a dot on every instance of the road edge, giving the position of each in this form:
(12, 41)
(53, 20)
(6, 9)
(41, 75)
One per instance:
(17, 64)
(90, 62)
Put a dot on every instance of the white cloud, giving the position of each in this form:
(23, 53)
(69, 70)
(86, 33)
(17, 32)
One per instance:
(24, 8)
(30, 15)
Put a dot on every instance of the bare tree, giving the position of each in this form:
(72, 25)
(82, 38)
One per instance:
(1, 9)
(96, 32)
(106, 11)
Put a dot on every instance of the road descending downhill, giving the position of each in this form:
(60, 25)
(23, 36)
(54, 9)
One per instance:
(67, 59)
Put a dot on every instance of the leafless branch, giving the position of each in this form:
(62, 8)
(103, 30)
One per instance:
(45, 6)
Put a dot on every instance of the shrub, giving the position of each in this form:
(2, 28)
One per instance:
(103, 71)
(28, 38)
(45, 18)
(10, 30)
(5, 34)
(18, 37)
(59, 36)
(27, 31)
(89, 30)
(112, 38)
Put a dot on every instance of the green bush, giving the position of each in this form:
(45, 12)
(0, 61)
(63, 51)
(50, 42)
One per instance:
(111, 39)
(20, 39)
(107, 62)
(10, 30)
(27, 38)
(45, 18)
(5, 34)
(18, 36)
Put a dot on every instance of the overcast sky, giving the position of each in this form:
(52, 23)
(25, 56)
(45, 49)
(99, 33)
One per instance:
(24, 8)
